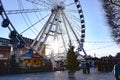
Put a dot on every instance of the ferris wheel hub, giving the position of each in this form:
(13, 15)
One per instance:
(60, 6)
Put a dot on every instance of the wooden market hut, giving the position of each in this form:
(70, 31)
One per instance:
(29, 60)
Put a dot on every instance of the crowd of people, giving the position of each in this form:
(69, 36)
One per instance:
(85, 65)
(102, 65)
(105, 64)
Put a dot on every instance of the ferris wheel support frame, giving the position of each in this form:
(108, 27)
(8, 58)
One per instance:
(63, 39)
(66, 29)
(50, 27)
(42, 33)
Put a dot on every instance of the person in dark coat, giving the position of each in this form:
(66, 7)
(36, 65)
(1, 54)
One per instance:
(116, 71)
(88, 67)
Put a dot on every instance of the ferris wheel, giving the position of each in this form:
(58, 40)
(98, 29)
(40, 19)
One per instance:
(54, 23)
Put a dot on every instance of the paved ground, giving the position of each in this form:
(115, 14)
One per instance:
(60, 75)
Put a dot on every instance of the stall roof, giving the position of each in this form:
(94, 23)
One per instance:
(31, 56)
(26, 55)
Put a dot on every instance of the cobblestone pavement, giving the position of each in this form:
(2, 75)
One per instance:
(60, 75)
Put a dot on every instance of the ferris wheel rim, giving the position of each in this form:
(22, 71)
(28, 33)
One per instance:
(80, 12)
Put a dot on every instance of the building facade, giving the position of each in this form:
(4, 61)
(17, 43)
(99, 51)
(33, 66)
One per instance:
(5, 48)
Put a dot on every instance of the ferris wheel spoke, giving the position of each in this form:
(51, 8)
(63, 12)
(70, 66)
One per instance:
(51, 1)
(71, 10)
(76, 22)
(79, 28)
(44, 2)
(76, 25)
(35, 40)
(40, 3)
(70, 4)
(65, 24)
(70, 25)
(26, 11)
(34, 2)
(73, 17)
(76, 17)
(34, 24)
(63, 38)
(80, 44)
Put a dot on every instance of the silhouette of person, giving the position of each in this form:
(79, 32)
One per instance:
(88, 67)
(116, 71)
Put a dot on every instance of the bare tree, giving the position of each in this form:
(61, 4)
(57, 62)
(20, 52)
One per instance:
(115, 2)
(112, 13)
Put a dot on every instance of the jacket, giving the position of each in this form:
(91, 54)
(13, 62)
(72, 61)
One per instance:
(117, 70)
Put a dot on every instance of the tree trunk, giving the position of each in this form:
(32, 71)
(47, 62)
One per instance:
(71, 74)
